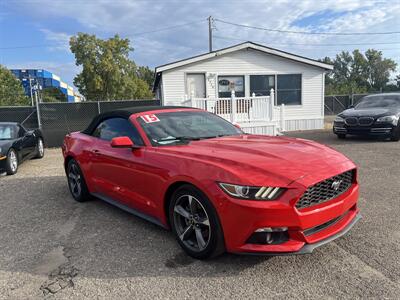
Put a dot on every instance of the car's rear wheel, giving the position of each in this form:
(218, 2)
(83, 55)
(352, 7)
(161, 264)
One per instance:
(195, 223)
(12, 162)
(341, 136)
(76, 182)
(39, 148)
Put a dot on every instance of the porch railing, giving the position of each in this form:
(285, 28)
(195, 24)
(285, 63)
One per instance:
(242, 109)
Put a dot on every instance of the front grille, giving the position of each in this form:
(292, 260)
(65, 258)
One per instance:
(365, 121)
(326, 190)
(352, 121)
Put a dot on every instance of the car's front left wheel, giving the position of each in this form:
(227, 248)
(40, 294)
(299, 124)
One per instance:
(195, 223)
(395, 136)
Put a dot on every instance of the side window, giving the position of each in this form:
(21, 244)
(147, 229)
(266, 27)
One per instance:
(115, 127)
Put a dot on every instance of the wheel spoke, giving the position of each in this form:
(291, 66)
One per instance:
(199, 237)
(192, 204)
(186, 233)
(204, 221)
(181, 211)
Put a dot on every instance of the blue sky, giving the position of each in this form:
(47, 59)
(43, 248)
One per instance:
(35, 33)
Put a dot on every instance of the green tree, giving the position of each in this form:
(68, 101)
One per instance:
(378, 69)
(146, 74)
(358, 73)
(107, 72)
(53, 94)
(397, 79)
(11, 90)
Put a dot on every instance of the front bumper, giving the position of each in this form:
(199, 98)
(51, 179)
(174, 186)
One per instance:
(307, 227)
(374, 129)
(309, 248)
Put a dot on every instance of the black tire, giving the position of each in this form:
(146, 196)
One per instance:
(12, 162)
(341, 136)
(39, 148)
(200, 211)
(395, 135)
(76, 182)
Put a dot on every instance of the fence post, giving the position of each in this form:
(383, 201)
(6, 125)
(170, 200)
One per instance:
(233, 107)
(271, 103)
(98, 107)
(282, 117)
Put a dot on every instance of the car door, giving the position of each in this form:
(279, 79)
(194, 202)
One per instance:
(117, 171)
(28, 141)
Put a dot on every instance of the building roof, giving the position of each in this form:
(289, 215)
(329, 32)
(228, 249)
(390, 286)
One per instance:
(245, 45)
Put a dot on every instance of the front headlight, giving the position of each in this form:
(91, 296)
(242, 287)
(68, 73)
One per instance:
(388, 119)
(339, 119)
(252, 192)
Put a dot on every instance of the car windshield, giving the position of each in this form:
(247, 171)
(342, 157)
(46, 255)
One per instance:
(8, 132)
(379, 101)
(184, 126)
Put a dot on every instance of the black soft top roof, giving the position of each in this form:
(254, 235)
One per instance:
(125, 113)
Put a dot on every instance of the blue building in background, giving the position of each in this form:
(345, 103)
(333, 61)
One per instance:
(45, 79)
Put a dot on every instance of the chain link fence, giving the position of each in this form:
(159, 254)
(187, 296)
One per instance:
(57, 119)
(335, 104)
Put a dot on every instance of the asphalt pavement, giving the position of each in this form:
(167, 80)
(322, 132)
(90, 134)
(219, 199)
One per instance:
(54, 247)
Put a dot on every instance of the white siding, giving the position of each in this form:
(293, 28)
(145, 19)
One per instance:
(247, 62)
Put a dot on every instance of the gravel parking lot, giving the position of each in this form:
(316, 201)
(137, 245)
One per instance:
(51, 246)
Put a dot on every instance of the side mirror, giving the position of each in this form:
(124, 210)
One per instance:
(237, 126)
(351, 106)
(122, 142)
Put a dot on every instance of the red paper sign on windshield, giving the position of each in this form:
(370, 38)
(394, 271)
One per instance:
(150, 118)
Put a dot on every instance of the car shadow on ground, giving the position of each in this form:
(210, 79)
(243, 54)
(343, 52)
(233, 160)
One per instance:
(44, 231)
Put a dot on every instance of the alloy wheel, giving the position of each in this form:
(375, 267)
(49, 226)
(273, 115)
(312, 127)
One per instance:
(74, 180)
(192, 223)
(13, 161)
(40, 147)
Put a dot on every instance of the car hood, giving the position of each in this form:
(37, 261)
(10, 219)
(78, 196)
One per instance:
(259, 157)
(373, 112)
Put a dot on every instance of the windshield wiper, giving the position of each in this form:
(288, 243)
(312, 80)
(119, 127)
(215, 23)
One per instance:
(189, 138)
(179, 138)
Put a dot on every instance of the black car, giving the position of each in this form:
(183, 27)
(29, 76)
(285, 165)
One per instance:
(18, 144)
(373, 115)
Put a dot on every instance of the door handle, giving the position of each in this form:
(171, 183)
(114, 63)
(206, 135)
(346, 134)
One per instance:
(95, 151)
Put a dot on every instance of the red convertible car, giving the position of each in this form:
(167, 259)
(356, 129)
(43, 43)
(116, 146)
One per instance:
(217, 188)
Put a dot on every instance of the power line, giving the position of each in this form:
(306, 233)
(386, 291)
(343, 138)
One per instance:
(306, 32)
(306, 44)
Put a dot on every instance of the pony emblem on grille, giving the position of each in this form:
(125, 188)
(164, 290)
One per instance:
(336, 184)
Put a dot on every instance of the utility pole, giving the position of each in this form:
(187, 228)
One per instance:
(36, 89)
(210, 33)
(30, 88)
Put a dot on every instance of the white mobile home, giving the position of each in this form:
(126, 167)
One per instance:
(262, 89)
